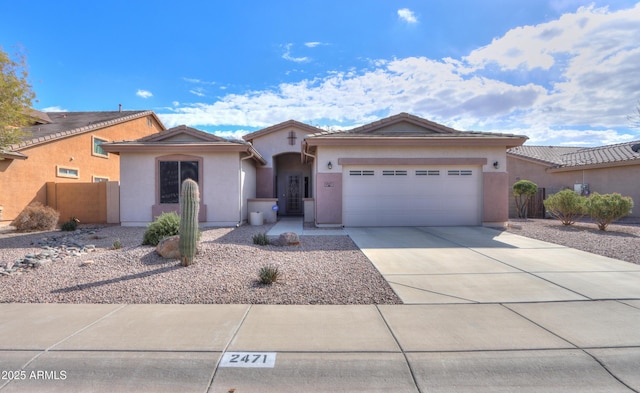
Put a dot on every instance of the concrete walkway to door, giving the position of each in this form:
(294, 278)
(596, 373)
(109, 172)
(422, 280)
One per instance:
(432, 265)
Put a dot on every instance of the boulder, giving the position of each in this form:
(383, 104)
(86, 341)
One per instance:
(288, 239)
(169, 247)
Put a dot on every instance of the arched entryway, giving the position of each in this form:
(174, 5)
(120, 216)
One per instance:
(292, 182)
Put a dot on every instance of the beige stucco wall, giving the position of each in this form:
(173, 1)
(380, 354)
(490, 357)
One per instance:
(620, 179)
(220, 188)
(277, 142)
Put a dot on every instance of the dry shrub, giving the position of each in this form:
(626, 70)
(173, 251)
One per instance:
(36, 217)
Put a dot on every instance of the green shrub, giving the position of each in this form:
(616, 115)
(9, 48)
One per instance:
(117, 244)
(269, 274)
(523, 190)
(606, 208)
(261, 239)
(165, 225)
(36, 217)
(70, 225)
(566, 205)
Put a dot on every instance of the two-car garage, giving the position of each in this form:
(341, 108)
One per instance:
(411, 195)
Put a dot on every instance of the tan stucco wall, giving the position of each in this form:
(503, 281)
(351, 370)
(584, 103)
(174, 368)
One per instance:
(220, 188)
(329, 199)
(620, 179)
(23, 181)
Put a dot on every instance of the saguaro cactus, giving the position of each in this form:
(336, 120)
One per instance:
(189, 207)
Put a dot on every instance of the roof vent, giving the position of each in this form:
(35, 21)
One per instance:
(636, 147)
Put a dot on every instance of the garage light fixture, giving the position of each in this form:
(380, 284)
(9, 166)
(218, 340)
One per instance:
(329, 165)
(496, 164)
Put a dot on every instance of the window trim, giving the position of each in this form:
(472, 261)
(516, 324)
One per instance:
(178, 157)
(93, 147)
(67, 175)
(94, 177)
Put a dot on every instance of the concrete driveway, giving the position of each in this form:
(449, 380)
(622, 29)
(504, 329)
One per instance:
(434, 265)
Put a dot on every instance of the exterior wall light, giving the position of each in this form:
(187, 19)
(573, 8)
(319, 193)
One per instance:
(329, 165)
(496, 164)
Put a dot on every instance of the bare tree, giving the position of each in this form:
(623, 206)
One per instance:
(634, 118)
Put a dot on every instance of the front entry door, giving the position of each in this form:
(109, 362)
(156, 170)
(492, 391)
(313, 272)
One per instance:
(292, 194)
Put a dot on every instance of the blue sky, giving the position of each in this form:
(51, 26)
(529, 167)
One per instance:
(563, 72)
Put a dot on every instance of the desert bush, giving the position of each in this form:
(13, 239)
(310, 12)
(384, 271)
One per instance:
(523, 190)
(269, 274)
(261, 239)
(566, 205)
(117, 244)
(606, 208)
(36, 217)
(165, 225)
(70, 225)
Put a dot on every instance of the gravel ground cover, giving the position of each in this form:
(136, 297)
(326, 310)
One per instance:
(619, 241)
(322, 270)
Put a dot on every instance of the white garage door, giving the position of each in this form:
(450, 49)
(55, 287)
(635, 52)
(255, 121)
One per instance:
(411, 196)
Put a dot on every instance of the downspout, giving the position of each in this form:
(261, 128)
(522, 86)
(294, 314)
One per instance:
(240, 183)
(315, 181)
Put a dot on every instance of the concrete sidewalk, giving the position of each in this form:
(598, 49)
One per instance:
(493, 312)
(562, 346)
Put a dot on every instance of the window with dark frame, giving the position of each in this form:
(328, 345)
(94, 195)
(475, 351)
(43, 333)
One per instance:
(172, 174)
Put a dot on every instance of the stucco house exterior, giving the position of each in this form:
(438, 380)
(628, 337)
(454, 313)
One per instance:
(64, 147)
(153, 168)
(401, 170)
(604, 169)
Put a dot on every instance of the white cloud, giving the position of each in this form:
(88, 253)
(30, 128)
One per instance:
(198, 81)
(144, 93)
(287, 55)
(407, 15)
(54, 109)
(314, 44)
(572, 80)
(199, 91)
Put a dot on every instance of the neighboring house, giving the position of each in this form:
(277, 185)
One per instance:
(64, 147)
(153, 168)
(604, 169)
(402, 170)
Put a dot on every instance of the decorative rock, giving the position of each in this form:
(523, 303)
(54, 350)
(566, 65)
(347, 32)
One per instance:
(169, 247)
(87, 263)
(53, 249)
(288, 239)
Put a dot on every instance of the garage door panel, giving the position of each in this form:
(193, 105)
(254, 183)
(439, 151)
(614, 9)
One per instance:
(448, 196)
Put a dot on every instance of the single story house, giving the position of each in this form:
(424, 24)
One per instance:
(604, 169)
(65, 147)
(401, 170)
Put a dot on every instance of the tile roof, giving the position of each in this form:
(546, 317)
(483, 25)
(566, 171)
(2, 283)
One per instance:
(564, 157)
(424, 128)
(64, 124)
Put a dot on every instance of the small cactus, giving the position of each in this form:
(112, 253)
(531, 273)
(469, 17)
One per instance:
(189, 208)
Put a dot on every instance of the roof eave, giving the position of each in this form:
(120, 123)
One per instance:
(9, 155)
(600, 165)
